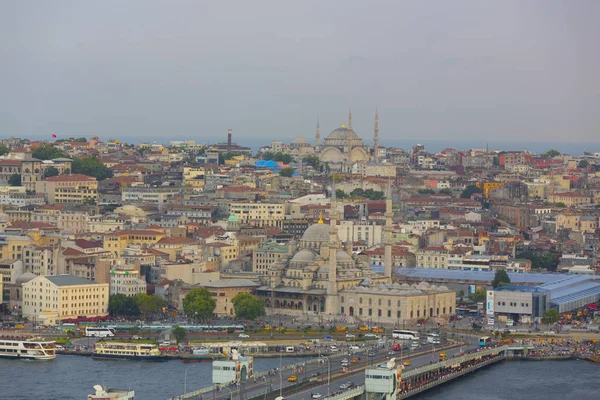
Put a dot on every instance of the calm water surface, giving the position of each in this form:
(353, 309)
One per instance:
(524, 380)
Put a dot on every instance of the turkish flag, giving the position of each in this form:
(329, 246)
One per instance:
(54, 136)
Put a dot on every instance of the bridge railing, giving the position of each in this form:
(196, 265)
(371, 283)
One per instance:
(452, 361)
(348, 394)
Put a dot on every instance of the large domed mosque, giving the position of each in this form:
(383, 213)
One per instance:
(343, 147)
(321, 276)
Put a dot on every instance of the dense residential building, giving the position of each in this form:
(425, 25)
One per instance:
(126, 281)
(259, 214)
(69, 189)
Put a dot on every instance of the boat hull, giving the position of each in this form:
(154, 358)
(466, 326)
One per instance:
(125, 357)
(27, 357)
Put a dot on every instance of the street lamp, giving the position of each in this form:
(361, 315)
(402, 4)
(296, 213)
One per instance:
(230, 392)
(185, 379)
(328, 375)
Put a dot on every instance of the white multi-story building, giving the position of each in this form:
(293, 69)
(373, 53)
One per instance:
(127, 282)
(67, 296)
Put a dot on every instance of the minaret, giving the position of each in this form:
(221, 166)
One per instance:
(376, 136)
(318, 135)
(331, 302)
(350, 118)
(387, 234)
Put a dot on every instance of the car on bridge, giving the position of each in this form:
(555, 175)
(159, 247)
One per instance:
(316, 395)
(293, 378)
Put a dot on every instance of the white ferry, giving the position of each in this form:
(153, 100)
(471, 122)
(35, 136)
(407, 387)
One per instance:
(27, 348)
(127, 351)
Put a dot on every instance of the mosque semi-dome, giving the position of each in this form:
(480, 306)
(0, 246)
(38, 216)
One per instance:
(316, 233)
(304, 256)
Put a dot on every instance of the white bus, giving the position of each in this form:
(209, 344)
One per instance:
(433, 338)
(93, 331)
(405, 335)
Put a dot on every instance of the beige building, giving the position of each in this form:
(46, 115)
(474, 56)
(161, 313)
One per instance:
(224, 290)
(583, 223)
(263, 257)
(432, 257)
(69, 189)
(68, 296)
(394, 303)
(259, 214)
(570, 199)
(116, 242)
(127, 282)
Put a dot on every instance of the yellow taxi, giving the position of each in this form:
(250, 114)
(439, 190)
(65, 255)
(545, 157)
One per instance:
(406, 363)
(292, 378)
(443, 356)
(354, 360)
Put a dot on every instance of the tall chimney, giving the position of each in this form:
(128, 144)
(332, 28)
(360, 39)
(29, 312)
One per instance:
(229, 131)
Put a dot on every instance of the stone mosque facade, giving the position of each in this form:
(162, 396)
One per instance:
(321, 276)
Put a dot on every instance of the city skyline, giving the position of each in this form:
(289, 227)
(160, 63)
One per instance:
(466, 70)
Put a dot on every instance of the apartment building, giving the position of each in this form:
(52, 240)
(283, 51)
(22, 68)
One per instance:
(69, 189)
(224, 290)
(263, 257)
(67, 296)
(126, 281)
(157, 195)
(570, 199)
(432, 257)
(260, 215)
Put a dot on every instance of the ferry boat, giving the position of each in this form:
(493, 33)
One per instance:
(27, 348)
(127, 351)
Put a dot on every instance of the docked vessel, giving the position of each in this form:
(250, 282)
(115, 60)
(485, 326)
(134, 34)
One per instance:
(27, 348)
(127, 351)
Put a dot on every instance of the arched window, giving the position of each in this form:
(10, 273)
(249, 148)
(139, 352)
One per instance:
(379, 302)
(360, 300)
(370, 301)
(389, 303)
(398, 303)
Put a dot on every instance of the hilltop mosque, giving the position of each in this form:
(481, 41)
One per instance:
(321, 276)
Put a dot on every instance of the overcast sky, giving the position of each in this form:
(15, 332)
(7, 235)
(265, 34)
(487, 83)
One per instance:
(191, 69)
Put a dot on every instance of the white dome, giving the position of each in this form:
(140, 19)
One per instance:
(316, 233)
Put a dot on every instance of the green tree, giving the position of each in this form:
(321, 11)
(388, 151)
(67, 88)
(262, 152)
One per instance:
(14, 180)
(180, 333)
(286, 158)
(583, 164)
(426, 191)
(267, 155)
(340, 194)
(150, 304)
(120, 304)
(469, 191)
(289, 171)
(545, 260)
(460, 294)
(4, 150)
(550, 317)
(91, 166)
(358, 192)
(374, 194)
(248, 306)
(478, 296)
(199, 304)
(500, 278)
(551, 153)
(51, 171)
(313, 161)
(446, 191)
(47, 152)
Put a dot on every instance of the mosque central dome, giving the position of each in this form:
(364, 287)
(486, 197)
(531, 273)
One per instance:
(316, 233)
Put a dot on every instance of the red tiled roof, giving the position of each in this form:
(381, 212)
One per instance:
(69, 178)
(134, 232)
(176, 240)
(87, 244)
(31, 225)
